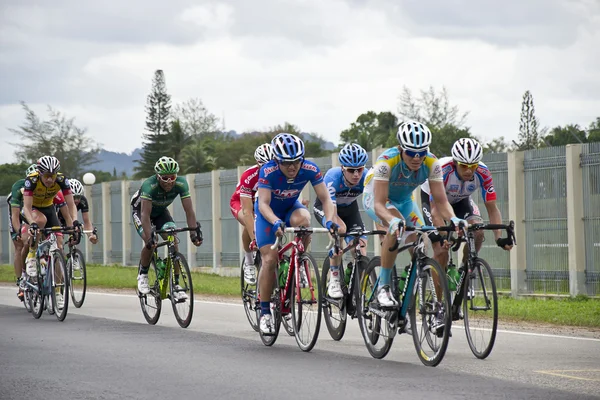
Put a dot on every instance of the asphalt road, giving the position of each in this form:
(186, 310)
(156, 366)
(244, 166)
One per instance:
(106, 350)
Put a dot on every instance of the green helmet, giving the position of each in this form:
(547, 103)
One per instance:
(32, 168)
(166, 166)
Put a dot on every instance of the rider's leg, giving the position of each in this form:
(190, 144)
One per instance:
(265, 238)
(40, 219)
(249, 267)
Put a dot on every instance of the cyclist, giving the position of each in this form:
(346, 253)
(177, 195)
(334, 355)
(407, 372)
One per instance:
(388, 196)
(464, 174)
(242, 207)
(149, 208)
(81, 203)
(279, 185)
(40, 189)
(344, 184)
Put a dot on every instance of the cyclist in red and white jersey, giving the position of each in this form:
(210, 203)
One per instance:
(242, 207)
(464, 174)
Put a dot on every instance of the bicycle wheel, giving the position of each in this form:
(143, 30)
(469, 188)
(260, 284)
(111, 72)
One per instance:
(26, 299)
(430, 340)
(36, 297)
(334, 310)
(249, 294)
(151, 303)
(77, 273)
(269, 340)
(59, 285)
(182, 291)
(306, 304)
(377, 332)
(480, 308)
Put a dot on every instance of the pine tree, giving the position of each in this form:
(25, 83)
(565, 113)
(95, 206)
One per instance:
(158, 106)
(529, 137)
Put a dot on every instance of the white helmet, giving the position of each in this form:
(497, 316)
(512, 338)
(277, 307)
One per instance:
(467, 150)
(413, 135)
(263, 153)
(48, 164)
(76, 187)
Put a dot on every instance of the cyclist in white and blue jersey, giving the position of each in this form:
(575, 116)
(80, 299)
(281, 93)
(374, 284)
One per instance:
(344, 184)
(280, 182)
(389, 200)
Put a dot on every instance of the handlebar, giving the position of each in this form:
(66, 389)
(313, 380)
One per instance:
(303, 231)
(509, 228)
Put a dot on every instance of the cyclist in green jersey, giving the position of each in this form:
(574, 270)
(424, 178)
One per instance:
(149, 208)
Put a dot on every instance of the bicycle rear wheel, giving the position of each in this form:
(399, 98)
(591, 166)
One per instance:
(334, 310)
(430, 341)
(26, 297)
(480, 308)
(182, 298)
(250, 294)
(377, 332)
(59, 285)
(36, 297)
(77, 273)
(306, 310)
(151, 303)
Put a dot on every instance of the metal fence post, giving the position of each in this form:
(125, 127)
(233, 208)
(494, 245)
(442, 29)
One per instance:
(191, 249)
(216, 220)
(575, 209)
(516, 211)
(125, 231)
(107, 232)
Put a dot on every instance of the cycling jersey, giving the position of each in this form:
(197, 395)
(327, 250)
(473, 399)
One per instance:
(457, 189)
(15, 197)
(341, 195)
(160, 199)
(44, 196)
(83, 206)
(248, 184)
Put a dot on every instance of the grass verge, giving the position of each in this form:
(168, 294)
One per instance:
(579, 311)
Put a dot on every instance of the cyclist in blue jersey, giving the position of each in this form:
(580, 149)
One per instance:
(280, 182)
(389, 199)
(344, 184)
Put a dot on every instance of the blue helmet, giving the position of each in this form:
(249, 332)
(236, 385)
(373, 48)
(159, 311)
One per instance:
(287, 147)
(353, 155)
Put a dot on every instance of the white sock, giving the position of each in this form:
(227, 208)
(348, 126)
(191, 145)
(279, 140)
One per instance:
(249, 258)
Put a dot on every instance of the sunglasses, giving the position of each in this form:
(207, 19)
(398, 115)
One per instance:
(290, 163)
(469, 166)
(413, 154)
(167, 178)
(48, 175)
(354, 170)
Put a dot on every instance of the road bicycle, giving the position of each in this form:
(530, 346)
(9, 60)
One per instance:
(77, 272)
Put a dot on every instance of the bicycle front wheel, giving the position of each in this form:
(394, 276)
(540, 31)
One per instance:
(306, 303)
(480, 307)
(77, 273)
(334, 310)
(151, 303)
(250, 294)
(431, 305)
(59, 286)
(36, 296)
(182, 291)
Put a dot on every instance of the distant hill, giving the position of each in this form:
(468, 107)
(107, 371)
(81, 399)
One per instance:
(123, 162)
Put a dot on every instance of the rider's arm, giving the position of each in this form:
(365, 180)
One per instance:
(248, 209)
(323, 195)
(14, 218)
(146, 209)
(264, 205)
(495, 216)
(28, 208)
(438, 191)
(381, 191)
(87, 223)
(190, 214)
(64, 211)
(72, 208)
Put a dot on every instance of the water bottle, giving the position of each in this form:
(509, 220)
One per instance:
(284, 266)
(160, 268)
(453, 277)
(402, 280)
(348, 273)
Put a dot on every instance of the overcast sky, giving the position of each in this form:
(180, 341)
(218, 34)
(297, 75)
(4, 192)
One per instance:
(318, 64)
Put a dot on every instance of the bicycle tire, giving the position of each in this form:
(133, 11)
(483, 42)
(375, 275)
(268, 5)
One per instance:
(483, 285)
(269, 340)
(424, 332)
(250, 294)
(153, 296)
(336, 332)
(183, 318)
(370, 323)
(300, 320)
(79, 276)
(58, 265)
(26, 299)
(36, 298)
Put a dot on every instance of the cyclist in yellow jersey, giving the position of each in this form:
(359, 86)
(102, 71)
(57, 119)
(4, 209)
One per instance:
(40, 189)
(388, 196)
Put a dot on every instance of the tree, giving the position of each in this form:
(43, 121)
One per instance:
(444, 138)
(497, 145)
(560, 136)
(158, 106)
(529, 136)
(9, 174)
(371, 130)
(195, 119)
(431, 108)
(195, 159)
(593, 132)
(178, 140)
(313, 143)
(59, 137)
